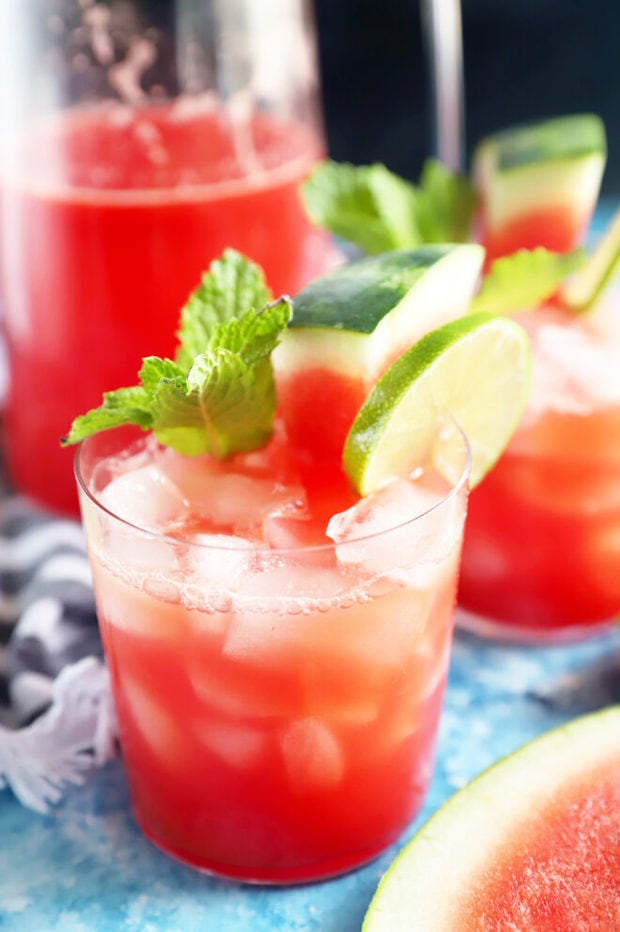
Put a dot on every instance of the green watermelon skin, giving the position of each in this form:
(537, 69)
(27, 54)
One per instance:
(363, 292)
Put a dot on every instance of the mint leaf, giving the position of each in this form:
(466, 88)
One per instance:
(154, 370)
(228, 400)
(123, 406)
(377, 210)
(231, 286)
(524, 280)
(222, 399)
(221, 412)
(366, 205)
(446, 204)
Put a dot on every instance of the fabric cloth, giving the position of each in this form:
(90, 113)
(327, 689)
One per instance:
(56, 713)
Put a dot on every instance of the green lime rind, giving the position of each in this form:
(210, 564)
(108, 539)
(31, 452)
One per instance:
(452, 852)
(357, 296)
(582, 289)
(475, 369)
(572, 137)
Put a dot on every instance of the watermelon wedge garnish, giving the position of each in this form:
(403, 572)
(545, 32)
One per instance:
(350, 325)
(538, 184)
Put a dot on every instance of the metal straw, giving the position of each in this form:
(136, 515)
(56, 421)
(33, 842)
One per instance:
(441, 22)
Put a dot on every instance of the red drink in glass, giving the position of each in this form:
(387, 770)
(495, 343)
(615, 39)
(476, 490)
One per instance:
(541, 559)
(278, 690)
(98, 256)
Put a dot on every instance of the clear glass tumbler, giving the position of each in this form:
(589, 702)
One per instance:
(137, 141)
(541, 559)
(277, 702)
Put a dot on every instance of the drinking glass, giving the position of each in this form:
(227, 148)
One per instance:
(138, 140)
(541, 558)
(277, 705)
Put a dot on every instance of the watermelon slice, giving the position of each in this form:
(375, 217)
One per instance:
(538, 184)
(348, 327)
(533, 843)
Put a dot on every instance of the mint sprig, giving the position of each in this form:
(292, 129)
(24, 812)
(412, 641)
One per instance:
(218, 395)
(524, 280)
(377, 210)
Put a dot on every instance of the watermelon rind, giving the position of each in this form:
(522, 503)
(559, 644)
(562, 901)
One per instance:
(559, 139)
(422, 889)
(550, 163)
(356, 318)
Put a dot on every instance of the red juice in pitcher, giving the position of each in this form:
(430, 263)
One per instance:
(108, 223)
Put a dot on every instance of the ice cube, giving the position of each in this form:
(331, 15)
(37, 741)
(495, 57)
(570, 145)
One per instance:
(124, 604)
(388, 507)
(358, 639)
(238, 745)
(286, 586)
(378, 536)
(218, 559)
(145, 497)
(574, 369)
(233, 500)
(432, 566)
(188, 472)
(132, 549)
(161, 730)
(282, 615)
(236, 692)
(416, 708)
(286, 532)
(337, 697)
(312, 755)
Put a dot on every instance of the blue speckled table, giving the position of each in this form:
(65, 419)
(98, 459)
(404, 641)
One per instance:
(86, 867)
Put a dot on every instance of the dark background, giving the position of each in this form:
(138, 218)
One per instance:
(524, 59)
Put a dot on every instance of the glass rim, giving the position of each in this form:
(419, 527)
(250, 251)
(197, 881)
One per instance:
(261, 548)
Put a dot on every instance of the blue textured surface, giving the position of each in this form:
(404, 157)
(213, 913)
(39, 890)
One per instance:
(86, 867)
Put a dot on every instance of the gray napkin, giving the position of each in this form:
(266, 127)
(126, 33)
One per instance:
(56, 713)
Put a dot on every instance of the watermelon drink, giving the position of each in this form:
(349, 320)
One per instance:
(542, 552)
(277, 624)
(96, 258)
(278, 649)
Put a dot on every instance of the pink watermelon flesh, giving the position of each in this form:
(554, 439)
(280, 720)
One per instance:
(559, 229)
(318, 407)
(561, 870)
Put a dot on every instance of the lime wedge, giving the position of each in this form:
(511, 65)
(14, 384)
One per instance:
(476, 370)
(581, 290)
(532, 843)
